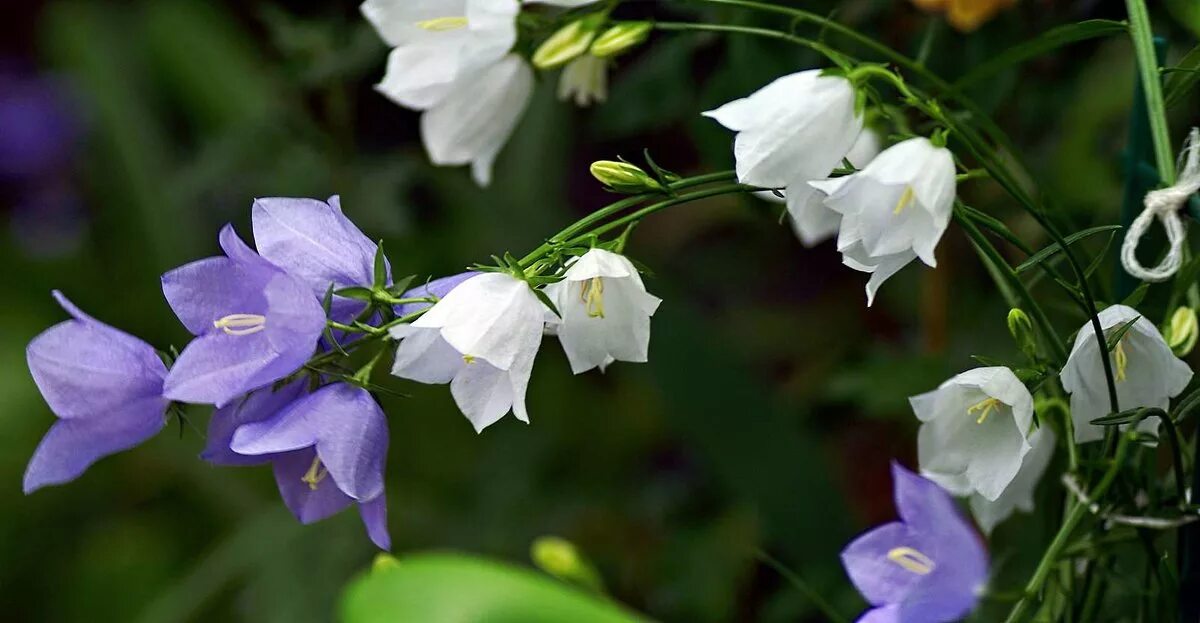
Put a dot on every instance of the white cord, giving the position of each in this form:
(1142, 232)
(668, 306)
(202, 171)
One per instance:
(1165, 204)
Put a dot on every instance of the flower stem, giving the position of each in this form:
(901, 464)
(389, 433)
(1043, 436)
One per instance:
(839, 59)
(662, 205)
(1147, 62)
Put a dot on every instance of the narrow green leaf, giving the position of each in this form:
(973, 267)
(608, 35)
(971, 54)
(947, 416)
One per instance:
(545, 300)
(1114, 337)
(357, 293)
(1182, 78)
(381, 267)
(989, 361)
(1135, 298)
(429, 588)
(1043, 43)
(1053, 249)
(400, 286)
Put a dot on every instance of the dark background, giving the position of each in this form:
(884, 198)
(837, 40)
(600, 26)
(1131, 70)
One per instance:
(774, 398)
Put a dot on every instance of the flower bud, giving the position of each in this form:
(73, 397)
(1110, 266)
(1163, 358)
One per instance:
(624, 177)
(561, 559)
(565, 45)
(1021, 328)
(384, 562)
(1182, 331)
(620, 38)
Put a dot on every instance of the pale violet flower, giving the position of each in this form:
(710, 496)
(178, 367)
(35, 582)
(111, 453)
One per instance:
(437, 42)
(605, 311)
(1018, 495)
(893, 210)
(974, 431)
(584, 81)
(792, 131)
(1146, 372)
(482, 338)
(476, 117)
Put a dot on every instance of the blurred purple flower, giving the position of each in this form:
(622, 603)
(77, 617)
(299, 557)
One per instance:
(315, 242)
(38, 126)
(254, 324)
(328, 450)
(437, 288)
(103, 384)
(930, 566)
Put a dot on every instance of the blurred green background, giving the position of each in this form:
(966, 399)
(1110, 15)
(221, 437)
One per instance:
(766, 419)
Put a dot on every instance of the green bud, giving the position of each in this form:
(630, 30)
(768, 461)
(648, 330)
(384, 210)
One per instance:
(383, 562)
(624, 177)
(1021, 328)
(569, 42)
(561, 559)
(620, 38)
(1182, 331)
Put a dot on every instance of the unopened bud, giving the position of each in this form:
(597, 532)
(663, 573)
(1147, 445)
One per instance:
(561, 559)
(624, 177)
(1021, 328)
(569, 42)
(384, 562)
(620, 38)
(1182, 331)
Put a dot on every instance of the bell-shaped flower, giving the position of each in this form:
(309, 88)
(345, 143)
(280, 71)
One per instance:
(254, 324)
(900, 203)
(930, 566)
(474, 120)
(812, 221)
(974, 431)
(259, 405)
(796, 129)
(482, 338)
(104, 385)
(436, 43)
(315, 242)
(328, 450)
(584, 81)
(1018, 495)
(605, 311)
(1146, 372)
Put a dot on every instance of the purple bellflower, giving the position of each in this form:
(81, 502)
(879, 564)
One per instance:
(104, 385)
(254, 324)
(328, 449)
(929, 567)
(315, 242)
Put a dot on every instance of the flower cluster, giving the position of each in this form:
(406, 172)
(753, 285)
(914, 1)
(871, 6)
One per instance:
(267, 320)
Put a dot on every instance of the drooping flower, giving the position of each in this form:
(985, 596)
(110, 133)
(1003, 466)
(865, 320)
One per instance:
(975, 431)
(894, 209)
(104, 385)
(482, 338)
(438, 42)
(796, 129)
(1018, 495)
(584, 81)
(254, 324)
(328, 450)
(930, 566)
(605, 311)
(473, 122)
(1146, 372)
(315, 242)
(257, 406)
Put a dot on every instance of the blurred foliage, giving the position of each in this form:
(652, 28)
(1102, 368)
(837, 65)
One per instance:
(765, 420)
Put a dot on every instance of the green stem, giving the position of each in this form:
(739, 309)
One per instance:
(662, 205)
(1147, 61)
(839, 59)
(1061, 539)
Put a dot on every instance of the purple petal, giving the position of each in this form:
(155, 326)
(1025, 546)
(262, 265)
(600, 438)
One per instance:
(237, 250)
(886, 614)
(923, 505)
(205, 290)
(437, 288)
(72, 446)
(261, 405)
(314, 241)
(85, 368)
(308, 503)
(868, 563)
(374, 517)
(285, 431)
(217, 368)
(295, 319)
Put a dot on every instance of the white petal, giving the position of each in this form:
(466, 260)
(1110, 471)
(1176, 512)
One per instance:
(483, 393)
(812, 221)
(1019, 493)
(423, 356)
(475, 119)
(494, 317)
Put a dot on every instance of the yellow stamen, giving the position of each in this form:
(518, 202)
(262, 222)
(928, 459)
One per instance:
(469, 358)
(315, 474)
(912, 560)
(985, 408)
(905, 199)
(442, 24)
(241, 324)
(1121, 359)
(592, 295)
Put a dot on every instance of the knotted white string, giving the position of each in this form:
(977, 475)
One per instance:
(1165, 204)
